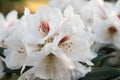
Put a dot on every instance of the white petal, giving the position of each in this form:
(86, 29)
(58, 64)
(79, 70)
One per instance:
(14, 60)
(26, 11)
(80, 70)
(11, 16)
(28, 75)
(2, 18)
(59, 3)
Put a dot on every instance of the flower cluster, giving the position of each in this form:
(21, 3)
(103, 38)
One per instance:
(59, 41)
(54, 44)
(103, 17)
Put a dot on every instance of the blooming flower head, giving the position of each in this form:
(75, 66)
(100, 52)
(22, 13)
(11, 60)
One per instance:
(50, 64)
(57, 39)
(80, 7)
(39, 28)
(107, 31)
(15, 53)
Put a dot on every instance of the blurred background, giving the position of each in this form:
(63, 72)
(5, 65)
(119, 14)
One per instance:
(19, 5)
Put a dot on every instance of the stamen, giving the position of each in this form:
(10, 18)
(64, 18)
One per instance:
(51, 59)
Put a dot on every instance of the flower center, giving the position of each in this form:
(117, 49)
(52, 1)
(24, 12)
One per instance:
(66, 46)
(44, 28)
(51, 60)
(112, 30)
(51, 57)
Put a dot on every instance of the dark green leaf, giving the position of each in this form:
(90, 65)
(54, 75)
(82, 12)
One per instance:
(101, 57)
(102, 74)
(7, 70)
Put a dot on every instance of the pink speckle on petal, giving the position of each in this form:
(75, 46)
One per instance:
(45, 26)
(65, 38)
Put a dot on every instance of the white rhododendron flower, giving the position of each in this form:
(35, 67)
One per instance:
(108, 31)
(82, 7)
(39, 27)
(5, 24)
(88, 9)
(52, 40)
(15, 53)
(51, 64)
(68, 37)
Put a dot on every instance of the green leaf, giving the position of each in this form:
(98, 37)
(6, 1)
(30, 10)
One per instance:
(10, 71)
(14, 77)
(102, 74)
(101, 57)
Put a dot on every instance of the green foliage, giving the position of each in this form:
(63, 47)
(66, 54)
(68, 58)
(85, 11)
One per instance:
(102, 74)
(103, 70)
(5, 1)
